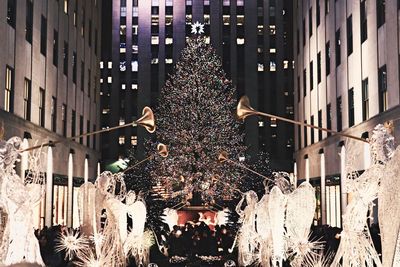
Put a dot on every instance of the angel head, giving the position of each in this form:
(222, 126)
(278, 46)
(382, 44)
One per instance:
(130, 197)
(251, 198)
(104, 182)
(382, 143)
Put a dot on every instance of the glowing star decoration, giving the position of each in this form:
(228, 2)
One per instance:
(73, 243)
(197, 28)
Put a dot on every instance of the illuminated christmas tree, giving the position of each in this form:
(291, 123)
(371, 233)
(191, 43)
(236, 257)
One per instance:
(196, 120)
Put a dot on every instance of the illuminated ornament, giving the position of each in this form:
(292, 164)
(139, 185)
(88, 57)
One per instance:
(73, 244)
(197, 28)
(162, 150)
(204, 185)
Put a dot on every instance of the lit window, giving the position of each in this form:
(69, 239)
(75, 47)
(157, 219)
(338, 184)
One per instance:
(226, 2)
(121, 121)
(188, 2)
(122, 65)
(101, 64)
(226, 19)
(101, 80)
(135, 49)
(260, 124)
(207, 40)
(133, 140)
(206, 2)
(154, 40)
(168, 61)
(123, 86)
(168, 20)
(134, 65)
(285, 64)
(273, 122)
(154, 20)
(240, 20)
(240, 41)
(272, 29)
(260, 29)
(121, 140)
(122, 47)
(259, 50)
(169, 40)
(272, 66)
(123, 11)
(206, 19)
(122, 29)
(135, 29)
(188, 18)
(109, 64)
(105, 111)
(154, 61)
(240, 2)
(260, 67)
(109, 79)
(66, 6)
(272, 50)
(135, 11)
(134, 86)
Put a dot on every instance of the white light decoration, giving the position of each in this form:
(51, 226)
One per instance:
(72, 243)
(170, 217)
(197, 28)
(17, 197)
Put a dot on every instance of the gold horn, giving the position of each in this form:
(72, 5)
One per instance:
(223, 156)
(147, 120)
(244, 109)
(389, 125)
(162, 150)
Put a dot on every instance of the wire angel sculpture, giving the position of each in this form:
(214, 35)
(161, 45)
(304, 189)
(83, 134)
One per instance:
(356, 247)
(19, 243)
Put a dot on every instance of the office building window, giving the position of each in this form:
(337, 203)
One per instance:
(319, 124)
(9, 90)
(298, 41)
(380, 12)
(338, 45)
(90, 33)
(339, 113)
(66, 6)
(328, 58)
(42, 105)
(82, 76)
(349, 35)
(81, 129)
(94, 137)
(363, 18)
(304, 82)
(328, 118)
(310, 29)
(383, 97)
(351, 106)
(54, 114)
(298, 89)
(305, 134)
(312, 130)
(65, 59)
(55, 48)
(73, 123)
(27, 99)
(89, 83)
(327, 7)
(365, 100)
(29, 21)
(43, 35)
(64, 119)
(318, 13)
(311, 76)
(11, 12)
(88, 136)
(74, 67)
(304, 32)
(319, 67)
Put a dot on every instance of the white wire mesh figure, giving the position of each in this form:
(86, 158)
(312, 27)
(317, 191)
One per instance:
(264, 229)
(248, 237)
(170, 217)
(18, 200)
(300, 209)
(137, 243)
(276, 209)
(356, 247)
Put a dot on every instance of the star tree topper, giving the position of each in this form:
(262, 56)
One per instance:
(197, 28)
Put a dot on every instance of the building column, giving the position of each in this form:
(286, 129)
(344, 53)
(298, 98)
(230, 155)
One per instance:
(49, 188)
(295, 175)
(343, 177)
(86, 170)
(307, 168)
(70, 189)
(98, 169)
(323, 187)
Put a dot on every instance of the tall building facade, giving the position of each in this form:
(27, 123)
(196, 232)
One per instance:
(144, 41)
(49, 80)
(346, 79)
